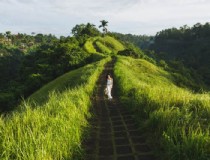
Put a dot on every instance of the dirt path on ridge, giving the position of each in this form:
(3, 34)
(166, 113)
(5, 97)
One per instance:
(114, 135)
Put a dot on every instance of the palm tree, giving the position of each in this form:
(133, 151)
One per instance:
(103, 25)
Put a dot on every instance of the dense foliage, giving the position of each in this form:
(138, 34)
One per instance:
(27, 62)
(141, 41)
(187, 46)
(14, 50)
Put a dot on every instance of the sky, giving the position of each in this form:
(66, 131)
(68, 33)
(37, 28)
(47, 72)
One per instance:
(140, 17)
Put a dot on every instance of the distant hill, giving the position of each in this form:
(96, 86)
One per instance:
(188, 46)
(141, 41)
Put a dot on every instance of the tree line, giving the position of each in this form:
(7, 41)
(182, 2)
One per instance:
(185, 47)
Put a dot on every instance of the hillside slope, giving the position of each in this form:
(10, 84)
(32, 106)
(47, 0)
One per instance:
(56, 128)
(105, 45)
(176, 118)
(70, 80)
(52, 123)
(188, 46)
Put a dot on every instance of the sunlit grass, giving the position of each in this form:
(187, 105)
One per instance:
(88, 46)
(177, 117)
(55, 128)
(102, 48)
(113, 44)
(106, 45)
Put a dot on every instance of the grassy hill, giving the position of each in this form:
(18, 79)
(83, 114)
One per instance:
(106, 45)
(73, 79)
(176, 118)
(52, 123)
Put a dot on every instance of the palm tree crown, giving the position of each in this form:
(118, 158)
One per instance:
(103, 25)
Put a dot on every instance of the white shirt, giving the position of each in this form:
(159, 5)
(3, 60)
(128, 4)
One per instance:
(109, 82)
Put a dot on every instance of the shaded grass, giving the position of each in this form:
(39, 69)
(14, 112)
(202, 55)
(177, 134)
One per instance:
(54, 129)
(176, 117)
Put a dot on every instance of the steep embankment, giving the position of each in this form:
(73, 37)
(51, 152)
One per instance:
(175, 118)
(54, 125)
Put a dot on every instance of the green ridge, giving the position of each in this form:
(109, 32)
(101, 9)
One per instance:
(51, 123)
(175, 118)
(56, 128)
(106, 45)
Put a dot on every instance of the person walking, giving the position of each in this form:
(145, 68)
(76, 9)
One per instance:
(109, 86)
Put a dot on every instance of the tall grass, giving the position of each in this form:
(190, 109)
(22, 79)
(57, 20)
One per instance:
(88, 46)
(102, 48)
(113, 44)
(177, 118)
(53, 129)
(106, 45)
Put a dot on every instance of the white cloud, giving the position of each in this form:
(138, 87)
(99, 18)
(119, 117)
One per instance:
(127, 16)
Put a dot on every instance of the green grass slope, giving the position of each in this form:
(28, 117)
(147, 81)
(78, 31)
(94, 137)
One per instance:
(88, 46)
(69, 80)
(106, 45)
(176, 118)
(55, 128)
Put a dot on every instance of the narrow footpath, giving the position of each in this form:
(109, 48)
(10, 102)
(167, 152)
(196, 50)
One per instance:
(114, 135)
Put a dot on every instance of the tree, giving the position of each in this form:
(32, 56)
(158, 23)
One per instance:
(8, 35)
(85, 30)
(77, 30)
(39, 38)
(103, 25)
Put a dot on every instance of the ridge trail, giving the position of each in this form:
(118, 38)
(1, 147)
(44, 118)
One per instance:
(114, 133)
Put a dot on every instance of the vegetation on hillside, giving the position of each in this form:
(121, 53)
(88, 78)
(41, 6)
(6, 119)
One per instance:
(141, 41)
(14, 50)
(106, 45)
(30, 61)
(186, 46)
(184, 51)
(176, 118)
(164, 85)
(53, 122)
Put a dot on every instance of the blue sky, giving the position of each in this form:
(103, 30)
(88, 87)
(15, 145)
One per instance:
(125, 16)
